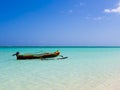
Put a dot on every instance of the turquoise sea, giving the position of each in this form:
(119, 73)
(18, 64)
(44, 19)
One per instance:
(86, 68)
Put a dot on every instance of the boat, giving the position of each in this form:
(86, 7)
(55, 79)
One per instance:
(36, 56)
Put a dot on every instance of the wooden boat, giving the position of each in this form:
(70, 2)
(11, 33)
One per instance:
(36, 56)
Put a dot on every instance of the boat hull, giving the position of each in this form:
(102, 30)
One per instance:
(38, 56)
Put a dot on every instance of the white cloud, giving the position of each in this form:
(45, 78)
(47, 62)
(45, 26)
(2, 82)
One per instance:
(70, 11)
(67, 12)
(119, 4)
(98, 18)
(94, 18)
(82, 4)
(79, 4)
(114, 10)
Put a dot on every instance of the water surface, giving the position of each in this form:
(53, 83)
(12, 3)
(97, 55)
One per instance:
(86, 68)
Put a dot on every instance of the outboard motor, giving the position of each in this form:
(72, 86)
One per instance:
(17, 53)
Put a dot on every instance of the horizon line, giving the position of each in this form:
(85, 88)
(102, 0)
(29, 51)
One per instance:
(65, 46)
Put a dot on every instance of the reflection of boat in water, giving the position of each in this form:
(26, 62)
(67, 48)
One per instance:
(37, 56)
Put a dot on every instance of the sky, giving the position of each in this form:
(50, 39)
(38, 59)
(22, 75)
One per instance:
(59, 23)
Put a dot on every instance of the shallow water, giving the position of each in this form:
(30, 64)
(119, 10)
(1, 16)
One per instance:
(84, 69)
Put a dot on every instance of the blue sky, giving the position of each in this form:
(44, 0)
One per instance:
(60, 22)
